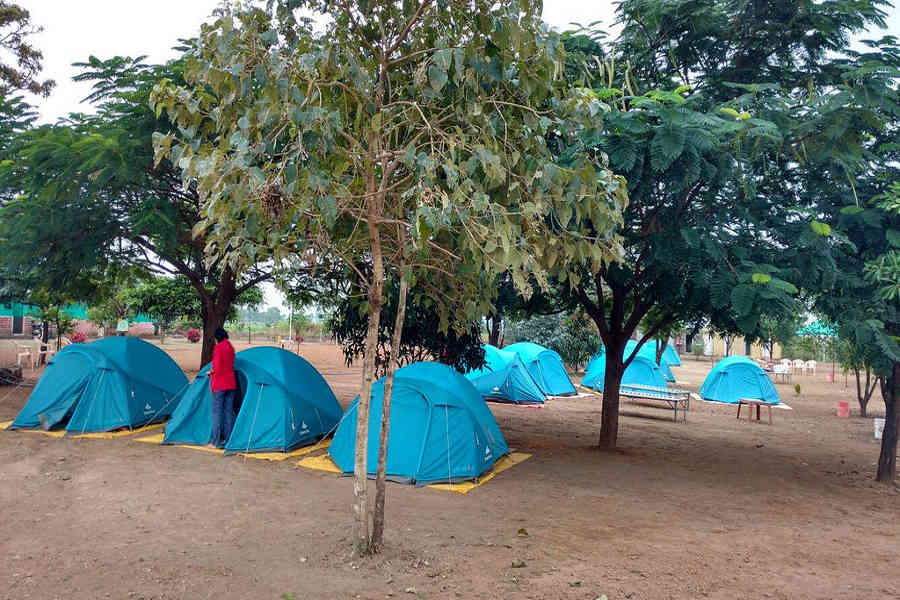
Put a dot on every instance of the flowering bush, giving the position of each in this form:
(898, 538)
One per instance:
(78, 337)
(193, 335)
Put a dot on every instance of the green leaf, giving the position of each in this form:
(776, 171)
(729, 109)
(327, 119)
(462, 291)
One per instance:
(784, 286)
(437, 77)
(762, 278)
(893, 237)
(667, 145)
(290, 173)
(852, 210)
(823, 229)
(742, 297)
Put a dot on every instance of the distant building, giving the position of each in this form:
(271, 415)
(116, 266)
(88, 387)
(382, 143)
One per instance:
(15, 319)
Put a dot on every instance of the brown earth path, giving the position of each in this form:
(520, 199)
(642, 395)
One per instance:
(715, 508)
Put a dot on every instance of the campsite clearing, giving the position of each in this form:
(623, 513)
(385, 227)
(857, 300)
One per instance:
(716, 508)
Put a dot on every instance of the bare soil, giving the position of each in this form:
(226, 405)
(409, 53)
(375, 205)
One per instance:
(714, 508)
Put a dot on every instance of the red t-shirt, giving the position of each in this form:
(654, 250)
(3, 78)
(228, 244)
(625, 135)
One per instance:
(222, 377)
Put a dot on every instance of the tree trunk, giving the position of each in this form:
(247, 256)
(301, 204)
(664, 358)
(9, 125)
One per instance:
(660, 348)
(494, 335)
(376, 285)
(860, 397)
(45, 340)
(213, 318)
(612, 381)
(392, 365)
(887, 460)
(214, 311)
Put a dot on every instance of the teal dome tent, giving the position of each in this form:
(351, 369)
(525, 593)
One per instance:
(282, 402)
(737, 377)
(441, 428)
(109, 384)
(648, 350)
(504, 378)
(546, 368)
(641, 371)
(670, 354)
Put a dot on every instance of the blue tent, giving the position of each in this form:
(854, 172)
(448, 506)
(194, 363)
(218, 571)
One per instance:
(504, 378)
(546, 368)
(112, 383)
(648, 350)
(737, 377)
(282, 403)
(441, 429)
(670, 354)
(641, 371)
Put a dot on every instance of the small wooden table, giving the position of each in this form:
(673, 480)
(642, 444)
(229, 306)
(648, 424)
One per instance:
(751, 403)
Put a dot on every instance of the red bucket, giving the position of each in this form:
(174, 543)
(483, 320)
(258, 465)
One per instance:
(843, 410)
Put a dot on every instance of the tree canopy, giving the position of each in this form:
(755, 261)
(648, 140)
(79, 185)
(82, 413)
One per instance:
(721, 117)
(86, 196)
(22, 73)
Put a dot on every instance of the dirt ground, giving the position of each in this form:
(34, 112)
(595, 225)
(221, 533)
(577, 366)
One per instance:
(714, 508)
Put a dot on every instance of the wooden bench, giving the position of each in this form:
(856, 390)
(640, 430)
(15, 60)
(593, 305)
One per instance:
(751, 403)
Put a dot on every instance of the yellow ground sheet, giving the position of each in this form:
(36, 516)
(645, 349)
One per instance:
(324, 463)
(158, 438)
(104, 435)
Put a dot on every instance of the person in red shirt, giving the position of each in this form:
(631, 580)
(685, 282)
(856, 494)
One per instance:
(223, 385)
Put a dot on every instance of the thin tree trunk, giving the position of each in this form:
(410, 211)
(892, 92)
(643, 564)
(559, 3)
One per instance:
(887, 460)
(384, 434)
(660, 348)
(612, 381)
(376, 285)
(45, 340)
(859, 391)
(494, 335)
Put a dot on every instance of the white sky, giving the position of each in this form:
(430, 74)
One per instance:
(77, 29)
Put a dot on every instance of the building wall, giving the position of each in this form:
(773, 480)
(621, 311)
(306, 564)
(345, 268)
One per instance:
(6, 324)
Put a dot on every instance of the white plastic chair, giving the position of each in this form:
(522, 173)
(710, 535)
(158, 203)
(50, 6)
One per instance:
(787, 364)
(810, 366)
(23, 351)
(798, 365)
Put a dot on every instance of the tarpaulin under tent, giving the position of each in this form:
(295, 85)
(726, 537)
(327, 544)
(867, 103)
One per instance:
(504, 378)
(737, 377)
(441, 428)
(112, 383)
(282, 402)
(546, 368)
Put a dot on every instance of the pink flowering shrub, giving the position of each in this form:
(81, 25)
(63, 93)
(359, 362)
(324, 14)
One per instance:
(193, 336)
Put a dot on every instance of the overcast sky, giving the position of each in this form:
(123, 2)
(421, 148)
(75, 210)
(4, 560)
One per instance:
(77, 29)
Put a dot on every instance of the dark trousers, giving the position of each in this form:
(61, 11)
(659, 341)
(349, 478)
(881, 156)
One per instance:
(222, 417)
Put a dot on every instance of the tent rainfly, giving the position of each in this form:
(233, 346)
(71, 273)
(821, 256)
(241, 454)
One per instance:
(546, 368)
(504, 378)
(737, 377)
(283, 402)
(641, 371)
(112, 383)
(441, 428)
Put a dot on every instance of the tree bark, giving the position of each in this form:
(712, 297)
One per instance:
(864, 391)
(384, 434)
(45, 340)
(660, 348)
(376, 285)
(494, 335)
(612, 381)
(887, 460)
